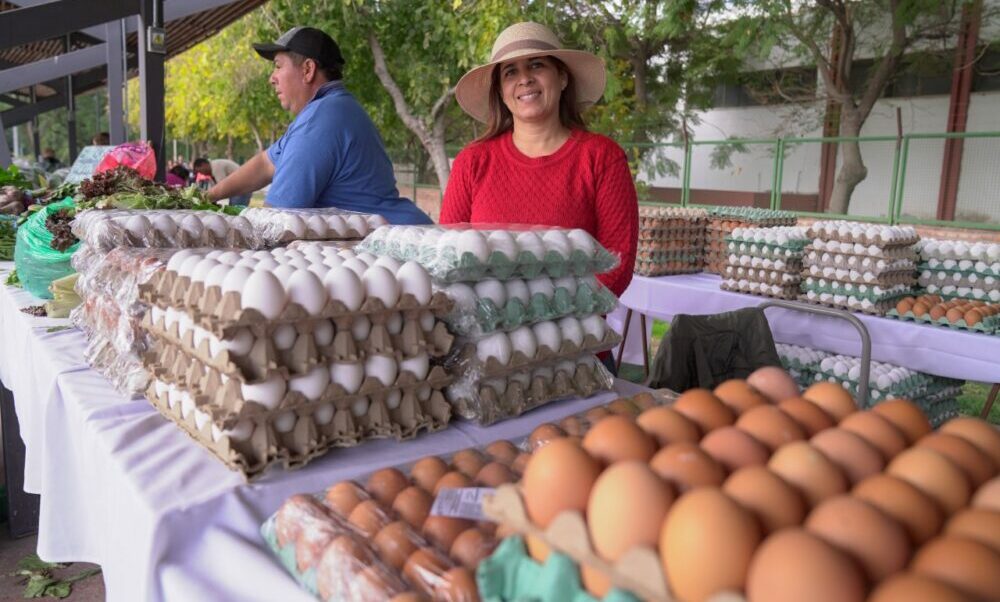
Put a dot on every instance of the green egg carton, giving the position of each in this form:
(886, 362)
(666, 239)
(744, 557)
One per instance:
(836, 290)
(989, 325)
(767, 251)
(793, 246)
(989, 271)
(511, 574)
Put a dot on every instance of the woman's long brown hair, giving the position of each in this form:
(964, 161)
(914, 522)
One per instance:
(501, 120)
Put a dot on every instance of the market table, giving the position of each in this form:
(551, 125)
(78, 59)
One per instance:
(124, 488)
(936, 350)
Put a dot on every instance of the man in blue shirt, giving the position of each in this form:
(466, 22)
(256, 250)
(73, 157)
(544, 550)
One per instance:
(331, 155)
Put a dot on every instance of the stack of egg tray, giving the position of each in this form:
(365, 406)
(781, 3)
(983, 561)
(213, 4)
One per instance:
(802, 363)
(859, 267)
(723, 220)
(276, 356)
(671, 241)
(275, 226)
(959, 269)
(765, 261)
(528, 311)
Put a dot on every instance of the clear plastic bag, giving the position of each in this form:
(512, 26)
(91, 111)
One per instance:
(277, 226)
(104, 230)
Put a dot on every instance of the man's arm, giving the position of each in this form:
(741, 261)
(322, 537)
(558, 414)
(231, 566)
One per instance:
(251, 176)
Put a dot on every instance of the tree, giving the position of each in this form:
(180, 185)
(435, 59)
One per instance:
(833, 35)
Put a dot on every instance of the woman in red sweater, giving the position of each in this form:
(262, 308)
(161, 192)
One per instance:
(537, 163)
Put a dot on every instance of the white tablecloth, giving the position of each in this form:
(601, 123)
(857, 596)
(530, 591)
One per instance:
(122, 487)
(932, 349)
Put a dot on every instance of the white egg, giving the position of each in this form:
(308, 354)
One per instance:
(336, 226)
(285, 421)
(284, 337)
(236, 279)
(414, 280)
(541, 286)
(523, 339)
(165, 225)
(499, 385)
(418, 365)
(518, 289)
(594, 326)
(323, 413)
(463, 295)
(496, 345)
(264, 293)
(306, 289)
(246, 262)
(556, 241)
(316, 226)
(215, 224)
(323, 332)
(394, 324)
(200, 272)
(192, 225)
(382, 368)
(201, 418)
(347, 375)
(493, 290)
(138, 226)
(358, 223)
(473, 243)
(381, 284)
(313, 384)
(502, 242)
(238, 343)
(360, 328)
(582, 241)
(530, 242)
(393, 399)
(388, 263)
(360, 407)
(333, 261)
(284, 273)
(522, 378)
(267, 393)
(268, 264)
(356, 265)
(177, 259)
(295, 225)
(369, 259)
(238, 223)
(173, 396)
(571, 330)
(344, 285)
(566, 282)
(427, 321)
(548, 334)
(187, 404)
(567, 366)
(545, 373)
(187, 268)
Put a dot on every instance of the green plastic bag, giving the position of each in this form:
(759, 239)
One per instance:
(38, 264)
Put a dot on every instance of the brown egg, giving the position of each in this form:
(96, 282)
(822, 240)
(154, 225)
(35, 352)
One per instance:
(344, 496)
(543, 434)
(775, 503)
(618, 523)
(428, 471)
(774, 383)
(458, 583)
(468, 462)
(452, 480)
(442, 530)
(976, 523)
(920, 308)
(770, 426)
(573, 425)
(937, 312)
(965, 564)
(977, 432)
(973, 317)
(471, 547)
(988, 495)
(833, 398)
(558, 477)
(906, 416)
(904, 306)
(502, 451)
(738, 395)
(878, 542)
(624, 407)
(686, 467)
(793, 565)
(594, 414)
(734, 448)
(618, 438)
(855, 456)
(342, 560)
(369, 518)
(385, 484)
(878, 431)
(520, 462)
(394, 544)
(495, 474)
(809, 470)
(375, 583)
(706, 544)
(977, 466)
(807, 414)
(644, 401)
(954, 315)
(668, 426)
(907, 587)
(423, 569)
(915, 510)
(704, 409)
(413, 505)
(935, 475)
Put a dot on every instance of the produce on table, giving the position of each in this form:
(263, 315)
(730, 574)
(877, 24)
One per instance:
(64, 297)
(8, 234)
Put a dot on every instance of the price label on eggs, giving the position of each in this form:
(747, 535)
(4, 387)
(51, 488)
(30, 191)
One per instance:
(465, 502)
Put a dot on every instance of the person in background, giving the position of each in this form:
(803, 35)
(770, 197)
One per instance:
(536, 163)
(101, 139)
(49, 161)
(203, 177)
(222, 169)
(177, 176)
(331, 155)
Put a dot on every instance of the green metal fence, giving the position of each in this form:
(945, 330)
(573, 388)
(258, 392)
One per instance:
(902, 185)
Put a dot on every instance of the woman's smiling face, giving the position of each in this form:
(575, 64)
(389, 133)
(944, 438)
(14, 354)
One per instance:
(531, 88)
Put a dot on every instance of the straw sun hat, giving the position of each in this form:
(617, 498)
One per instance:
(524, 40)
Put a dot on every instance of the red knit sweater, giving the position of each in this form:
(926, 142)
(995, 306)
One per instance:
(585, 184)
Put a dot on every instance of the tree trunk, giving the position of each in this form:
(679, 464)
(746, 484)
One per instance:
(229, 146)
(852, 169)
(257, 138)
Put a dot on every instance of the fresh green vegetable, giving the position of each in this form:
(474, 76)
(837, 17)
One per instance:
(12, 176)
(12, 279)
(8, 236)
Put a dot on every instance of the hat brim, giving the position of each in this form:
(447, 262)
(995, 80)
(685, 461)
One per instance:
(589, 76)
(268, 51)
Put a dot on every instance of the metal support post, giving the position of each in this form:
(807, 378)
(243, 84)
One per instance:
(70, 109)
(151, 88)
(116, 79)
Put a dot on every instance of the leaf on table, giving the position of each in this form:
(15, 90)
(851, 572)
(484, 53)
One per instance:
(37, 584)
(32, 562)
(59, 589)
(57, 328)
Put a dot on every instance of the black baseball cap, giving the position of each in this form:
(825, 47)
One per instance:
(307, 41)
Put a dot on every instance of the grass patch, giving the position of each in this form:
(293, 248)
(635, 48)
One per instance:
(973, 398)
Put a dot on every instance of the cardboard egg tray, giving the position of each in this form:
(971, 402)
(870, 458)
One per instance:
(104, 230)
(693, 233)
(487, 317)
(951, 292)
(886, 278)
(773, 291)
(672, 212)
(486, 406)
(864, 239)
(849, 287)
(869, 264)
(792, 247)
(689, 244)
(793, 265)
(979, 267)
(989, 325)
(763, 250)
(271, 224)
(852, 303)
(668, 268)
(862, 251)
(264, 359)
(465, 361)
(222, 397)
(970, 281)
(651, 255)
(763, 275)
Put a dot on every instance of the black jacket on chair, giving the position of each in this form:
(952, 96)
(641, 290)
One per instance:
(704, 351)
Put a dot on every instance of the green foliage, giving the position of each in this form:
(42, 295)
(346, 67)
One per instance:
(39, 581)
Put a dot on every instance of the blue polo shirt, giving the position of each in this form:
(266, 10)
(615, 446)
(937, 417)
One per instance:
(332, 156)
